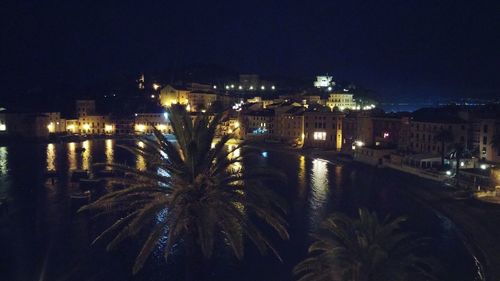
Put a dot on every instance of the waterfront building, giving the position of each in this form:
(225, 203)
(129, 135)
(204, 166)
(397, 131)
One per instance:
(323, 128)
(290, 125)
(424, 129)
(488, 129)
(341, 101)
(95, 125)
(145, 122)
(258, 123)
(387, 129)
(24, 125)
(56, 123)
(174, 95)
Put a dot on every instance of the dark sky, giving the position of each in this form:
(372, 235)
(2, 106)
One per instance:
(406, 48)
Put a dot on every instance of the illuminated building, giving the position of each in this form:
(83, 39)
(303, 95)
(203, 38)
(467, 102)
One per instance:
(323, 128)
(259, 123)
(144, 123)
(290, 124)
(341, 101)
(174, 95)
(324, 82)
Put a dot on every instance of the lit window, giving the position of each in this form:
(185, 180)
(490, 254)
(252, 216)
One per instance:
(319, 136)
(3, 127)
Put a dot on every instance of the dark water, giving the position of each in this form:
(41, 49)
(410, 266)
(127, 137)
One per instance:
(41, 238)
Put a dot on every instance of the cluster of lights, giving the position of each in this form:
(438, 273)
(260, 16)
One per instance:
(108, 128)
(237, 106)
(156, 86)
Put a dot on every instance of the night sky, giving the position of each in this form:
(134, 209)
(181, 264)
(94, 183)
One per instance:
(400, 49)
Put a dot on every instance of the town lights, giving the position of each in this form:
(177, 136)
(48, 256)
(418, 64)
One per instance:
(359, 143)
(156, 86)
(162, 127)
(262, 88)
(273, 87)
(240, 87)
(108, 128)
(232, 86)
(152, 96)
(140, 127)
(70, 127)
(236, 124)
(86, 126)
(227, 87)
(3, 127)
(165, 115)
(448, 173)
(329, 88)
(51, 127)
(215, 87)
(251, 88)
(483, 166)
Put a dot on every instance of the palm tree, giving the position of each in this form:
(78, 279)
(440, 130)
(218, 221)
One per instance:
(460, 152)
(444, 137)
(363, 249)
(200, 190)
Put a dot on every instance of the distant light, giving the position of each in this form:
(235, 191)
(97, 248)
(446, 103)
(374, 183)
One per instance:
(156, 86)
(227, 87)
(236, 124)
(240, 87)
(359, 143)
(386, 135)
(215, 87)
(448, 173)
(203, 111)
(462, 164)
(483, 166)
(232, 86)
(152, 96)
(86, 126)
(329, 88)
(264, 154)
(262, 87)
(165, 114)
(135, 114)
(251, 88)
(273, 87)
(188, 107)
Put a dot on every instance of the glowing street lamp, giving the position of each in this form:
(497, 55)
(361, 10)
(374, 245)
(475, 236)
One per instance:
(273, 87)
(262, 88)
(156, 86)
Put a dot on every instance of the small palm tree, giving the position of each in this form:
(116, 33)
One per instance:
(460, 152)
(200, 190)
(363, 249)
(444, 137)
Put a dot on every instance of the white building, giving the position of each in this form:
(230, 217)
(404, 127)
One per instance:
(342, 101)
(324, 82)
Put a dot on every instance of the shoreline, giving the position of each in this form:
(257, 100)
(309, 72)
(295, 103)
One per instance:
(482, 250)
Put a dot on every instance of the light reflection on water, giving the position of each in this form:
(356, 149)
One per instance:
(109, 151)
(51, 157)
(4, 165)
(311, 180)
(72, 162)
(319, 190)
(86, 155)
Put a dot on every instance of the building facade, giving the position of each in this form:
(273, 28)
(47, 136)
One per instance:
(341, 101)
(323, 128)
